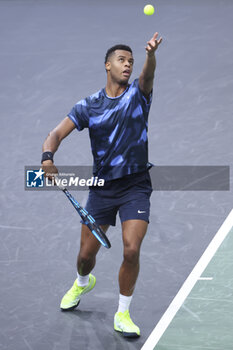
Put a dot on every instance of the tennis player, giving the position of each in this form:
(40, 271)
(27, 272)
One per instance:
(117, 119)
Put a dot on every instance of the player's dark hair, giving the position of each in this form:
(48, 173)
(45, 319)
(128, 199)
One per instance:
(114, 48)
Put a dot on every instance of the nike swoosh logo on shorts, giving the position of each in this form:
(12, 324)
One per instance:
(141, 211)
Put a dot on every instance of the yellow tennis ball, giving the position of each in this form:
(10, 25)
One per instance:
(149, 10)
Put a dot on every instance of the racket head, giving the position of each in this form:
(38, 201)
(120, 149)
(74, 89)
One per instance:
(89, 221)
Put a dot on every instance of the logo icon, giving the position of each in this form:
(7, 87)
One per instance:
(141, 211)
(35, 178)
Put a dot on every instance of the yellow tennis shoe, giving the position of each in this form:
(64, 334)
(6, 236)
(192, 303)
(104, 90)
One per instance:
(72, 298)
(124, 324)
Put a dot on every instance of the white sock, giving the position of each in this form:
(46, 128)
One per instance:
(124, 303)
(82, 281)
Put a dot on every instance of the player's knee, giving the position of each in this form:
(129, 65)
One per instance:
(131, 255)
(86, 258)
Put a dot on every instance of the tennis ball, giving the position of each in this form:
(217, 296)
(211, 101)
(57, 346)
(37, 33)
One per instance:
(149, 10)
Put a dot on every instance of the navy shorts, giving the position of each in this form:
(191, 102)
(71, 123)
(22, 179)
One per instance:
(129, 195)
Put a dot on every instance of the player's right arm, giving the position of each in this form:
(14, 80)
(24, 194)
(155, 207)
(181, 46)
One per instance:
(53, 141)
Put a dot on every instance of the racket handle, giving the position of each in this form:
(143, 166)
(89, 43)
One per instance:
(58, 183)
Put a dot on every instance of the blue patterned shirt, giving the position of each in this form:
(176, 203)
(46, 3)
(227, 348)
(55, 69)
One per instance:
(117, 129)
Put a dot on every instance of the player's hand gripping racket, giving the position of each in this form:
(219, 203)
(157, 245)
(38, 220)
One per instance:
(87, 219)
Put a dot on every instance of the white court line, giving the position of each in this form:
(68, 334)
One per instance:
(189, 284)
(205, 278)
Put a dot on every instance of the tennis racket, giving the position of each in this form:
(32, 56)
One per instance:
(87, 219)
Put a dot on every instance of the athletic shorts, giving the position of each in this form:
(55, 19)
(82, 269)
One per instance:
(129, 195)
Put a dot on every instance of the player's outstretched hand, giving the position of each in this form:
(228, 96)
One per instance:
(153, 44)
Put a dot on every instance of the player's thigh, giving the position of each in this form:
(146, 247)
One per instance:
(89, 245)
(133, 232)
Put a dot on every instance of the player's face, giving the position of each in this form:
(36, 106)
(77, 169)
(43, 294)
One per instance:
(120, 66)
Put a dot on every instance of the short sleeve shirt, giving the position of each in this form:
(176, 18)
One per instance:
(117, 129)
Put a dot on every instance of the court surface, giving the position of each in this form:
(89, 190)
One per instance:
(52, 55)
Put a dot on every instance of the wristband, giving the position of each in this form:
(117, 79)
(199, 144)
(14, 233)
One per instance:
(47, 156)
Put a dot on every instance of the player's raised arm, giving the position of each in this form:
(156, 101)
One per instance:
(146, 78)
(52, 143)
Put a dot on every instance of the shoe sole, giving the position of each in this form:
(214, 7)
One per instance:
(70, 308)
(126, 334)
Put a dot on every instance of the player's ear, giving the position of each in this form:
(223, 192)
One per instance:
(107, 66)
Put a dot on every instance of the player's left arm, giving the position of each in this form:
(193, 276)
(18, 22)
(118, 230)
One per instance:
(146, 78)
